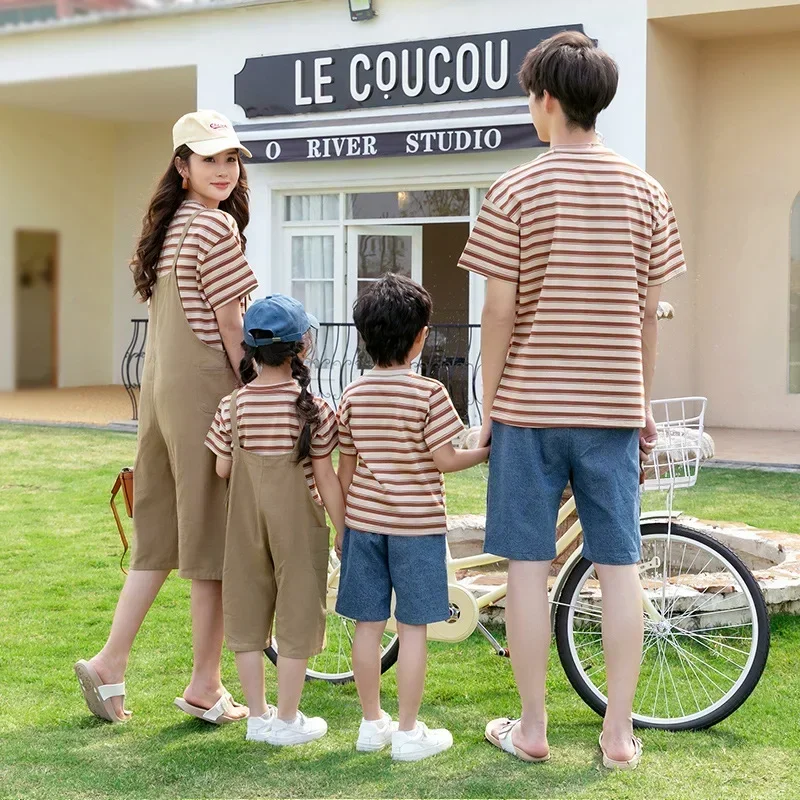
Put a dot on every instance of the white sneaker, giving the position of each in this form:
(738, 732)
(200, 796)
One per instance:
(374, 735)
(303, 729)
(420, 743)
(259, 727)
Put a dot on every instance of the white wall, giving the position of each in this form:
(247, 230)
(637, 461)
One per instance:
(142, 155)
(57, 178)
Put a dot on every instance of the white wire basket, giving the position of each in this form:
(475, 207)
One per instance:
(681, 446)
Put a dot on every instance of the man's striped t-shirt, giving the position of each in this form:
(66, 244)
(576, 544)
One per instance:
(212, 269)
(583, 233)
(393, 420)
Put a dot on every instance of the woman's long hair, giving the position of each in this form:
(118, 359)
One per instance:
(276, 355)
(166, 200)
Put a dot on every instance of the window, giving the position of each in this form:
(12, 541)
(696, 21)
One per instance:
(794, 300)
(312, 208)
(399, 205)
(313, 273)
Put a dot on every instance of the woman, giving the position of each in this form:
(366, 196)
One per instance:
(190, 267)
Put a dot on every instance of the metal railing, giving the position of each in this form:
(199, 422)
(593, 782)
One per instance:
(451, 355)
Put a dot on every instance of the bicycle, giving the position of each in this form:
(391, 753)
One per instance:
(706, 625)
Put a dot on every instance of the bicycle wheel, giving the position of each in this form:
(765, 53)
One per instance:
(704, 651)
(335, 663)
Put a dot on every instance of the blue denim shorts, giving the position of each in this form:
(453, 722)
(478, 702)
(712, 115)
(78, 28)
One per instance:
(374, 564)
(529, 469)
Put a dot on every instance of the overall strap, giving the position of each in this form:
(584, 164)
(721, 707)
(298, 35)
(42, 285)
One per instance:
(234, 421)
(184, 233)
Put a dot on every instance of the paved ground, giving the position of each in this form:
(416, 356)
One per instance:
(762, 447)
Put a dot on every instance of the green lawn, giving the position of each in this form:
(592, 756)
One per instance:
(60, 579)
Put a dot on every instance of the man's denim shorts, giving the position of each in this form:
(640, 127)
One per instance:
(529, 469)
(375, 563)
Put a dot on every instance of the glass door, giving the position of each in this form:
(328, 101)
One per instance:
(372, 251)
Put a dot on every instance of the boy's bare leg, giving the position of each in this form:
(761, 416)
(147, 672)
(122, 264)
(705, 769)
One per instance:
(291, 679)
(411, 664)
(205, 687)
(251, 675)
(367, 667)
(138, 593)
(623, 631)
(528, 631)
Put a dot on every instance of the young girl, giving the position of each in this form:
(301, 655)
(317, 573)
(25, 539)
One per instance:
(274, 440)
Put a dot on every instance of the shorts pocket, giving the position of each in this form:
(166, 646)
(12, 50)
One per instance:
(319, 548)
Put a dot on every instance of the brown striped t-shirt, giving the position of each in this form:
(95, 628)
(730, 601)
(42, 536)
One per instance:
(392, 420)
(268, 425)
(583, 233)
(212, 269)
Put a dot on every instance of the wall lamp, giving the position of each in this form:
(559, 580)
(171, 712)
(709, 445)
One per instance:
(361, 10)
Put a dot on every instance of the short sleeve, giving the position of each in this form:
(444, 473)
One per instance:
(666, 251)
(347, 446)
(223, 270)
(443, 423)
(493, 248)
(326, 435)
(218, 439)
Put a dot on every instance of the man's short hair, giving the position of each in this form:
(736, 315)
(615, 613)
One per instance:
(389, 315)
(571, 68)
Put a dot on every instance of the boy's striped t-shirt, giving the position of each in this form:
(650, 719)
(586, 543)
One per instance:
(583, 233)
(212, 268)
(393, 420)
(268, 426)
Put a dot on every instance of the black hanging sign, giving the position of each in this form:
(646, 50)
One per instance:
(399, 74)
(397, 143)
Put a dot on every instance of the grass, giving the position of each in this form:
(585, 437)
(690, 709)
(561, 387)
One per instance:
(60, 580)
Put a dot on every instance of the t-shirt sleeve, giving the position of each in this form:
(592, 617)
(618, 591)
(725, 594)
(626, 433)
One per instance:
(666, 251)
(224, 272)
(443, 423)
(493, 248)
(218, 438)
(347, 446)
(326, 435)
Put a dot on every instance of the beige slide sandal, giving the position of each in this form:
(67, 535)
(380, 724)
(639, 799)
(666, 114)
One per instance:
(610, 763)
(218, 714)
(499, 731)
(98, 694)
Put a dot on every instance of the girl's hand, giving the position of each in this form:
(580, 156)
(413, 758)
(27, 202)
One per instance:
(337, 545)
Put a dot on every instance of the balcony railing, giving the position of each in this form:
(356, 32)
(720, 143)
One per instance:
(451, 355)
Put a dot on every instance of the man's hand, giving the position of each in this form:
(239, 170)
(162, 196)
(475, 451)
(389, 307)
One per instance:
(648, 436)
(337, 545)
(485, 437)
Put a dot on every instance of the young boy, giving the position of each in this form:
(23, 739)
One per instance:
(395, 440)
(575, 246)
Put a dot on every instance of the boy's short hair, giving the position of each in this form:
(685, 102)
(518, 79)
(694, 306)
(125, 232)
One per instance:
(389, 316)
(571, 68)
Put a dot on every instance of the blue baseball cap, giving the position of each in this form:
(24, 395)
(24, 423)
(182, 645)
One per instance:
(281, 316)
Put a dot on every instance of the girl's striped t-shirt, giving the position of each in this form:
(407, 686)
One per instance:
(393, 420)
(583, 233)
(268, 426)
(212, 268)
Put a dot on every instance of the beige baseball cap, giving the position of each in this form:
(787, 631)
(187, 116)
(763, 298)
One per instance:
(206, 133)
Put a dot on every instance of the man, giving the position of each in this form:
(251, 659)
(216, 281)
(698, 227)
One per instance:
(575, 246)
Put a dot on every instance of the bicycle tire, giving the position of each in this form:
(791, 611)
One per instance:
(717, 712)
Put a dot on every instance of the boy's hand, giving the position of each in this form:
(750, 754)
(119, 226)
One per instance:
(337, 545)
(485, 452)
(648, 437)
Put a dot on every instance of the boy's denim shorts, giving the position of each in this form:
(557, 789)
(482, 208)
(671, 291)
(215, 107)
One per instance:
(529, 469)
(375, 563)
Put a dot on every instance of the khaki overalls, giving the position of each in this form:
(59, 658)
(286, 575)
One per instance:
(179, 501)
(276, 555)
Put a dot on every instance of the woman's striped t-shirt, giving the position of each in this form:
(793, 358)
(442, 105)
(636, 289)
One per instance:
(583, 233)
(212, 269)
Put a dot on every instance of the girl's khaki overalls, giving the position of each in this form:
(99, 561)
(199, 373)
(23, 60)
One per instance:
(179, 501)
(276, 554)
